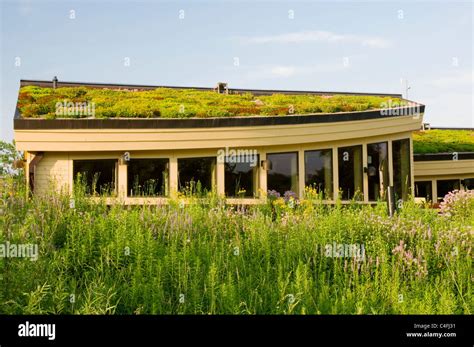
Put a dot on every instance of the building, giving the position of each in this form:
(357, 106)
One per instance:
(444, 161)
(147, 147)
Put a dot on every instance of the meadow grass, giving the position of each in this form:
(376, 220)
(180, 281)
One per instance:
(209, 258)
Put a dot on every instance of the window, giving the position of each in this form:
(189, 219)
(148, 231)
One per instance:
(318, 171)
(377, 170)
(282, 175)
(196, 175)
(148, 177)
(468, 183)
(241, 176)
(97, 176)
(350, 172)
(424, 189)
(446, 186)
(401, 168)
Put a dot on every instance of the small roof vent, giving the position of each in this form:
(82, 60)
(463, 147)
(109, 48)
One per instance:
(221, 88)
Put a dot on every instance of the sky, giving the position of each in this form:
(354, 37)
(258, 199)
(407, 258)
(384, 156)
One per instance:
(349, 46)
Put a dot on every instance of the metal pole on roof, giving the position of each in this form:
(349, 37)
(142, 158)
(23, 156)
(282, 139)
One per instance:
(407, 87)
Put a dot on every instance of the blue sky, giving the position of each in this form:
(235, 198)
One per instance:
(332, 46)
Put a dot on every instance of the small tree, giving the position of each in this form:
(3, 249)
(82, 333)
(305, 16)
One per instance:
(10, 159)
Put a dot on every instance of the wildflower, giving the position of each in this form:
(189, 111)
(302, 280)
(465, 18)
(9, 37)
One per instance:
(273, 194)
(457, 202)
(290, 195)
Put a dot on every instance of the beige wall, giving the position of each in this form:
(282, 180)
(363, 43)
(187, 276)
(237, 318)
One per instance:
(98, 140)
(52, 172)
(443, 167)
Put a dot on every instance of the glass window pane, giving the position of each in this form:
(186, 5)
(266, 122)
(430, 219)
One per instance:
(196, 175)
(318, 171)
(97, 175)
(424, 189)
(241, 176)
(468, 183)
(282, 175)
(350, 172)
(377, 165)
(446, 186)
(401, 168)
(148, 177)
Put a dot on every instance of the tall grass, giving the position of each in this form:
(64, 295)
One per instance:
(208, 258)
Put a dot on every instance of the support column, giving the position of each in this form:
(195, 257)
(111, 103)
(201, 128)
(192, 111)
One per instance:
(263, 175)
(122, 181)
(434, 191)
(365, 177)
(335, 167)
(390, 163)
(173, 177)
(220, 174)
(412, 168)
(301, 178)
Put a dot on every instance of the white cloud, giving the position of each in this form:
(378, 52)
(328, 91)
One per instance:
(287, 71)
(283, 71)
(318, 36)
(455, 79)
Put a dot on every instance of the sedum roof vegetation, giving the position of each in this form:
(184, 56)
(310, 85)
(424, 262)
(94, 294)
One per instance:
(443, 141)
(39, 102)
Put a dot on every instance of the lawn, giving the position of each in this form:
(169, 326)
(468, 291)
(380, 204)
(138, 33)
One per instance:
(37, 102)
(283, 257)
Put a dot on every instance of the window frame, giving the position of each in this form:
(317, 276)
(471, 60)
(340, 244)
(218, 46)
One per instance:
(213, 178)
(361, 191)
(130, 182)
(113, 192)
(295, 152)
(326, 195)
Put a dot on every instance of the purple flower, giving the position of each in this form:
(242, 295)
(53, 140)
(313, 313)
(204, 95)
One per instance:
(289, 195)
(273, 194)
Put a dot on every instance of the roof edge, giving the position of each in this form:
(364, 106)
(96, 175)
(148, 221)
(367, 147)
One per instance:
(442, 156)
(49, 84)
(180, 123)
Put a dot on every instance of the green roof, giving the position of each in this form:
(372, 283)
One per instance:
(41, 102)
(443, 141)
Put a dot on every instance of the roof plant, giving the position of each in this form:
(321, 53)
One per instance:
(38, 102)
(443, 141)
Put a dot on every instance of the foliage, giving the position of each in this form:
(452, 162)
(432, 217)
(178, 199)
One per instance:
(443, 141)
(208, 258)
(458, 202)
(8, 156)
(37, 102)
